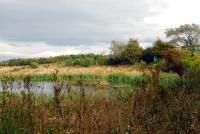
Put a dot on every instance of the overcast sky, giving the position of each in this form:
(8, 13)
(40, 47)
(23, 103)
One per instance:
(41, 28)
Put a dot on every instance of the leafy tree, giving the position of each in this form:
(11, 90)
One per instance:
(148, 55)
(156, 51)
(125, 53)
(187, 34)
(159, 47)
(133, 51)
(117, 49)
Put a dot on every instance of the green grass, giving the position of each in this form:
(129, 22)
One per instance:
(166, 80)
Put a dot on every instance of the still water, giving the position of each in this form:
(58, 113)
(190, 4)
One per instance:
(44, 87)
(37, 87)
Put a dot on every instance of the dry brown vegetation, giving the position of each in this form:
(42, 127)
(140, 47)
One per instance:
(43, 69)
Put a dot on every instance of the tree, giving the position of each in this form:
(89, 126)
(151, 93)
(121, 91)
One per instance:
(159, 47)
(148, 55)
(133, 51)
(123, 53)
(117, 51)
(187, 34)
(156, 51)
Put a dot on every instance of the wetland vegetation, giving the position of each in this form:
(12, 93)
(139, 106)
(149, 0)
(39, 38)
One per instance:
(132, 91)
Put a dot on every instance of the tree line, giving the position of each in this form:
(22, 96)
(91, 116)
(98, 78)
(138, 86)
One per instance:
(130, 52)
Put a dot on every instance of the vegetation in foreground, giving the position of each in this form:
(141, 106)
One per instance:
(147, 107)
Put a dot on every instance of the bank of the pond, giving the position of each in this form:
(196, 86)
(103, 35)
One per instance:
(166, 80)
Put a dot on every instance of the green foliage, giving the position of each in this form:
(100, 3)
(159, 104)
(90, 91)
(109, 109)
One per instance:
(85, 60)
(191, 63)
(94, 79)
(125, 53)
(34, 65)
(159, 48)
(68, 60)
(125, 79)
(157, 51)
(148, 55)
(133, 51)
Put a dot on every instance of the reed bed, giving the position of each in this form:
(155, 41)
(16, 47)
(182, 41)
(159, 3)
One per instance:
(166, 80)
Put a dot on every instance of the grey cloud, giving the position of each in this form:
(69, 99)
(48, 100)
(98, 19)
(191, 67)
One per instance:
(63, 22)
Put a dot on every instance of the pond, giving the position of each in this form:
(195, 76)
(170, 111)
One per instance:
(48, 87)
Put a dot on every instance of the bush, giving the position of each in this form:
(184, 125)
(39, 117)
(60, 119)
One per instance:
(191, 64)
(34, 65)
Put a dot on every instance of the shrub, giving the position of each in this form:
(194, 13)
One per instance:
(34, 65)
(191, 64)
(173, 59)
